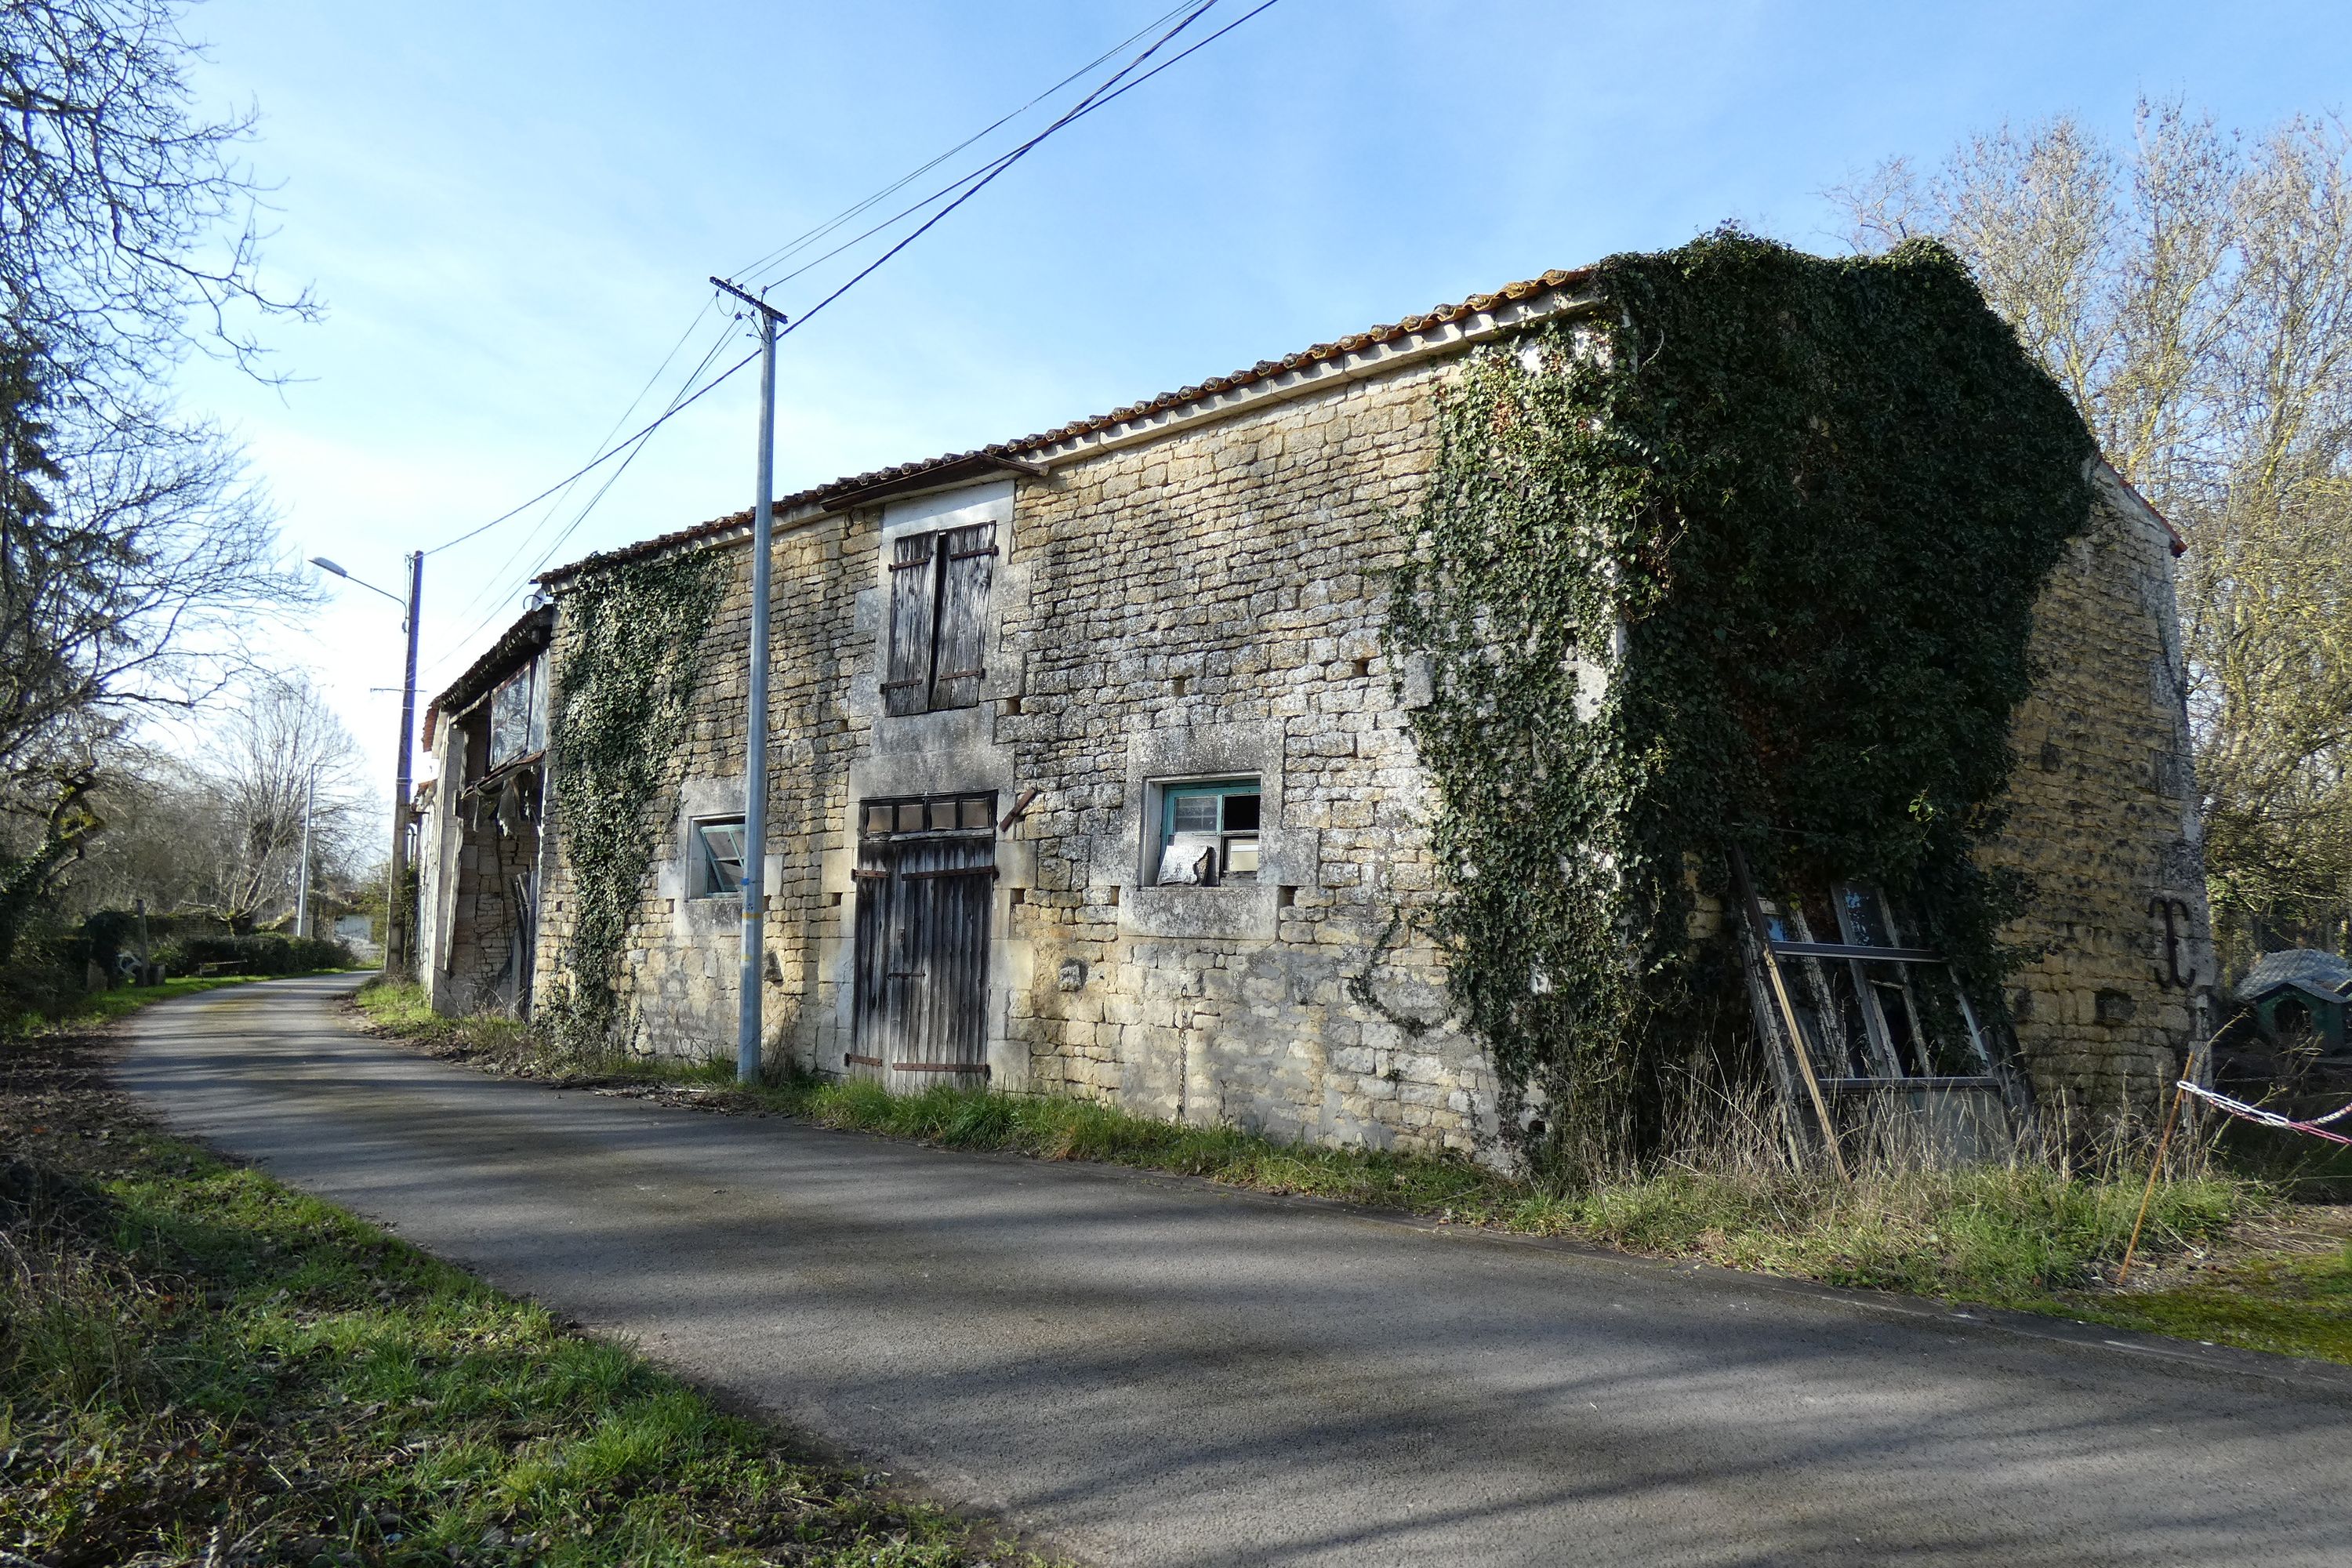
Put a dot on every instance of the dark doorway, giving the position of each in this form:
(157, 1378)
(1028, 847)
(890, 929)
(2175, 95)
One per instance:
(926, 877)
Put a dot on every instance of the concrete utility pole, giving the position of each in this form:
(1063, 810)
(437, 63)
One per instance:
(302, 890)
(753, 886)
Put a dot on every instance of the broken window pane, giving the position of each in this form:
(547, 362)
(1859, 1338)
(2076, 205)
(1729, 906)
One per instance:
(1854, 1013)
(1861, 915)
(719, 857)
(511, 708)
(1209, 832)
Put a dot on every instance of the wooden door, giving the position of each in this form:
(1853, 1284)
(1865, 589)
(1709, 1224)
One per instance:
(926, 880)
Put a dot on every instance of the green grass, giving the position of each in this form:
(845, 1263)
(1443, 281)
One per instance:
(2290, 1304)
(197, 1363)
(399, 1007)
(2002, 1235)
(2031, 1235)
(99, 1007)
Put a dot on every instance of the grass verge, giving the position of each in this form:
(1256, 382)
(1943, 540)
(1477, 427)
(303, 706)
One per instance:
(2225, 1258)
(200, 1365)
(99, 1007)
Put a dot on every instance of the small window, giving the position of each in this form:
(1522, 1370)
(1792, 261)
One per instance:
(1865, 1019)
(958, 813)
(718, 856)
(1208, 833)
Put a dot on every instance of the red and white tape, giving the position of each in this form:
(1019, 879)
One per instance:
(2317, 1126)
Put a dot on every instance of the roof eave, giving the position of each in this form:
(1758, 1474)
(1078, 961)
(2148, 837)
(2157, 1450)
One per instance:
(1450, 329)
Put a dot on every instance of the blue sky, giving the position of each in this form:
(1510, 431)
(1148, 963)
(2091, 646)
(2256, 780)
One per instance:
(510, 210)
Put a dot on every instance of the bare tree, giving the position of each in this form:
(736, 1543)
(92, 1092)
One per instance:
(125, 215)
(2193, 291)
(220, 833)
(253, 780)
(159, 811)
(133, 559)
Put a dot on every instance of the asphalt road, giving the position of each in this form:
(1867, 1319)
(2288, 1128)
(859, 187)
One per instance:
(1150, 1371)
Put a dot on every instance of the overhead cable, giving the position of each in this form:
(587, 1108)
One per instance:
(790, 247)
(1112, 87)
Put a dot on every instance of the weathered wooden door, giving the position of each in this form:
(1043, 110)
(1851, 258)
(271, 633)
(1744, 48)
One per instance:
(926, 880)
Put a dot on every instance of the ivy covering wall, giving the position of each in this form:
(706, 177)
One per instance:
(1745, 560)
(626, 670)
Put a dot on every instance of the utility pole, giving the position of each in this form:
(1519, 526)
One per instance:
(753, 886)
(302, 891)
(396, 955)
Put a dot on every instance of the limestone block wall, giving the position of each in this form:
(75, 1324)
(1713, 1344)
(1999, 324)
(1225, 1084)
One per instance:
(2101, 818)
(678, 976)
(1208, 601)
(1211, 603)
(1205, 603)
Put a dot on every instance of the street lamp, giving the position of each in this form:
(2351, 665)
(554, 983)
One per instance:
(396, 959)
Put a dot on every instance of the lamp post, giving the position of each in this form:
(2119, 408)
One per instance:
(396, 912)
(302, 890)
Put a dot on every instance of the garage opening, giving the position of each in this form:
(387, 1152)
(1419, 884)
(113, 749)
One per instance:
(926, 879)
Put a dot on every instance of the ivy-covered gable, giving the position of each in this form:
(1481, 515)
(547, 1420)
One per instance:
(1747, 559)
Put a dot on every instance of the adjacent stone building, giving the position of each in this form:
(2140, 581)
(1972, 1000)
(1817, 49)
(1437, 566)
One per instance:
(478, 851)
(1091, 776)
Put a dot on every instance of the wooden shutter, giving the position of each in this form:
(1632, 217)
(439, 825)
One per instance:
(914, 603)
(963, 615)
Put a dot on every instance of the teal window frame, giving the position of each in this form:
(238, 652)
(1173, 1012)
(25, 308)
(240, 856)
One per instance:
(710, 866)
(1222, 791)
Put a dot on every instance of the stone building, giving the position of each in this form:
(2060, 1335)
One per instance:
(1091, 775)
(478, 852)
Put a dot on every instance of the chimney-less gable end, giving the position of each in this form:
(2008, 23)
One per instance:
(939, 617)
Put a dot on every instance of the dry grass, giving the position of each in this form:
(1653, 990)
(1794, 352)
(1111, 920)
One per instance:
(2038, 1231)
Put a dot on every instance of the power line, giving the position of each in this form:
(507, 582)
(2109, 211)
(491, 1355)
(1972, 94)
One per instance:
(979, 179)
(994, 165)
(606, 454)
(490, 584)
(592, 464)
(1001, 165)
(785, 251)
(531, 536)
(635, 445)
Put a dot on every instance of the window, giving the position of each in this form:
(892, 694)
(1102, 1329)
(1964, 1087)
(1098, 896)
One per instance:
(939, 611)
(1208, 833)
(718, 856)
(1868, 1001)
(518, 717)
(928, 815)
(1873, 1039)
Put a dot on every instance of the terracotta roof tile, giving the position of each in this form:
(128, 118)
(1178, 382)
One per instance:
(1265, 370)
